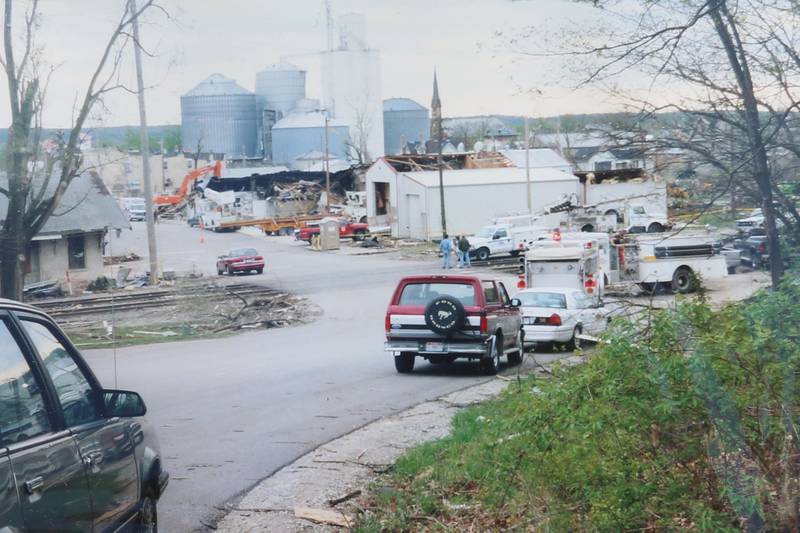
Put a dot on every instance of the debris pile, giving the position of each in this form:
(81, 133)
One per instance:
(117, 259)
(189, 308)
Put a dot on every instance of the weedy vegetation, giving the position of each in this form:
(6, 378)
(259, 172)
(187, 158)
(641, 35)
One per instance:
(687, 420)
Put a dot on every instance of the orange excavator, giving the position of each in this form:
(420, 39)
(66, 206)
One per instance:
(170, 200)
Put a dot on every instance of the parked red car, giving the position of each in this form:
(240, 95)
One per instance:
(354, 230)
(441, 318)
(240, 260)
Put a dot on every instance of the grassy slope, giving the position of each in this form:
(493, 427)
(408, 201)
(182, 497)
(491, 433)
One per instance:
(640, 437)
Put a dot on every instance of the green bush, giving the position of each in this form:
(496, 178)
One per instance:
(687, 420)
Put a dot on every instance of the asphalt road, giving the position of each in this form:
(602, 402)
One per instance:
(231, 411)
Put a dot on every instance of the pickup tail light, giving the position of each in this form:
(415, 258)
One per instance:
(388, 323)
(484, 324)
(554, 320)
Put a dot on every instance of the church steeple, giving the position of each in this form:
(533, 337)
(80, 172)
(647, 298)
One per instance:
(436, 110)
(435, 102)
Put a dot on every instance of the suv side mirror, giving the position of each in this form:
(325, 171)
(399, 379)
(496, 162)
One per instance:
(122, 403)
(515, 302)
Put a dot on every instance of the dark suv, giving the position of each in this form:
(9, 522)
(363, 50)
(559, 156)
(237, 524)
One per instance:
(441, 318)
(73, 456)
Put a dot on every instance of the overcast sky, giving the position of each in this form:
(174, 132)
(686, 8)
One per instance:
(478, 72)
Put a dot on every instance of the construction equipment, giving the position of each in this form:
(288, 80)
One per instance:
(172, 200)
(273, 224)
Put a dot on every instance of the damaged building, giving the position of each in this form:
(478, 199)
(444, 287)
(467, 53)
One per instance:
(71, 244)
(403, 192)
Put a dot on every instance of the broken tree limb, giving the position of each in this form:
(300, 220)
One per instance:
(323, 516)
(349, 496)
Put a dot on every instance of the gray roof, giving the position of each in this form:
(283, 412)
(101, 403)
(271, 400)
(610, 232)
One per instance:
(87, 206)
(402, 104)
(217, 85)
(537, 157)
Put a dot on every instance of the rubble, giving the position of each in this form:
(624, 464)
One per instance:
(117, 259)
(188, 308)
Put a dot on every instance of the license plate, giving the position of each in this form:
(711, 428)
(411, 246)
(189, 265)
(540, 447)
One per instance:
(528, 320)
(434, 346)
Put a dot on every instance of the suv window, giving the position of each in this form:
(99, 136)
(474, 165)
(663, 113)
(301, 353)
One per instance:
(422, 293)
(504, 295)
(490, 292)
(21, 401)
(75, 392)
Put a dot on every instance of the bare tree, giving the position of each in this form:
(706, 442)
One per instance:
(198, 149)
(36, 180)
(729, 68)
(357, 142)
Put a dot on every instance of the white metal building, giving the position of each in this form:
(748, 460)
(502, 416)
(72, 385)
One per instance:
(408, 202)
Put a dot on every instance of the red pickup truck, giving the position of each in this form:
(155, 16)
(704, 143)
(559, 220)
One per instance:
(354, 230)
(441, 318)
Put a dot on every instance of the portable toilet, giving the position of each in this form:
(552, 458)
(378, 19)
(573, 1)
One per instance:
(329, 234)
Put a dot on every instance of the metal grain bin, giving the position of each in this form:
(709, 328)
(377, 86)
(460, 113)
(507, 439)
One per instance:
(280, 86)
(299, 133)
(403, 118)
(222, 116)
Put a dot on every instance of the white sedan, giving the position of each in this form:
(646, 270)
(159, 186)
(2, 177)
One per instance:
(559, 315)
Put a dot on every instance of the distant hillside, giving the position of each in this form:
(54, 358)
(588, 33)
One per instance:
(566, 123)
(113, 135)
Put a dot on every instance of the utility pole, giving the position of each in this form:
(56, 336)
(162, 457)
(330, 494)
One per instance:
(327, 170)
(528, 168)
(145, 141)
(436, 123)
(163, 170)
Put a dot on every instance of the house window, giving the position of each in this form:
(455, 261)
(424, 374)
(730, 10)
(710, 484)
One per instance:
(622, 165)
(602, 165)
(76, 248)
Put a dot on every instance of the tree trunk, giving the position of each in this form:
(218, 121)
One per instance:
(726, 31)
(12, 254)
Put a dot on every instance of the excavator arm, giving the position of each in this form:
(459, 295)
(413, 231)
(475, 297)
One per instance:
(188, 180)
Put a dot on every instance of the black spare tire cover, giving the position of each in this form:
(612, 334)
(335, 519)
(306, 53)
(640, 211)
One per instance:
(444, 315)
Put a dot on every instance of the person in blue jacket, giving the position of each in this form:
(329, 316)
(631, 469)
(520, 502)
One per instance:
(446, 247)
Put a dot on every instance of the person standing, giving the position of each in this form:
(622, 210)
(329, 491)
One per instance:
(463, 252)
(446, 247)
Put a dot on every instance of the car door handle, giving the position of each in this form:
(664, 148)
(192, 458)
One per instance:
(93, 459)
(34, 485)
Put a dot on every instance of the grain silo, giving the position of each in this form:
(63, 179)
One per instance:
(404, 119)
(280, 86)
(302, 132)
(220, 116)
(351, 86)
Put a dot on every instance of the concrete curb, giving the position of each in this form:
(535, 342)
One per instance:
(348, 464)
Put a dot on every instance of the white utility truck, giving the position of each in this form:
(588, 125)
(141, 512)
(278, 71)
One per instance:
(674, 260)
(503, 239)
(571, 264)
(646, 260)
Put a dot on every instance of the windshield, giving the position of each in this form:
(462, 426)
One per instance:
(422, 293)
(137, 207)
(246, 252)
(485, 233)
(552, 300)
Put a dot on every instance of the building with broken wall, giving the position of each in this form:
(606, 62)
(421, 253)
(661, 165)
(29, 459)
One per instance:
(403, 192)
(70, 246)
